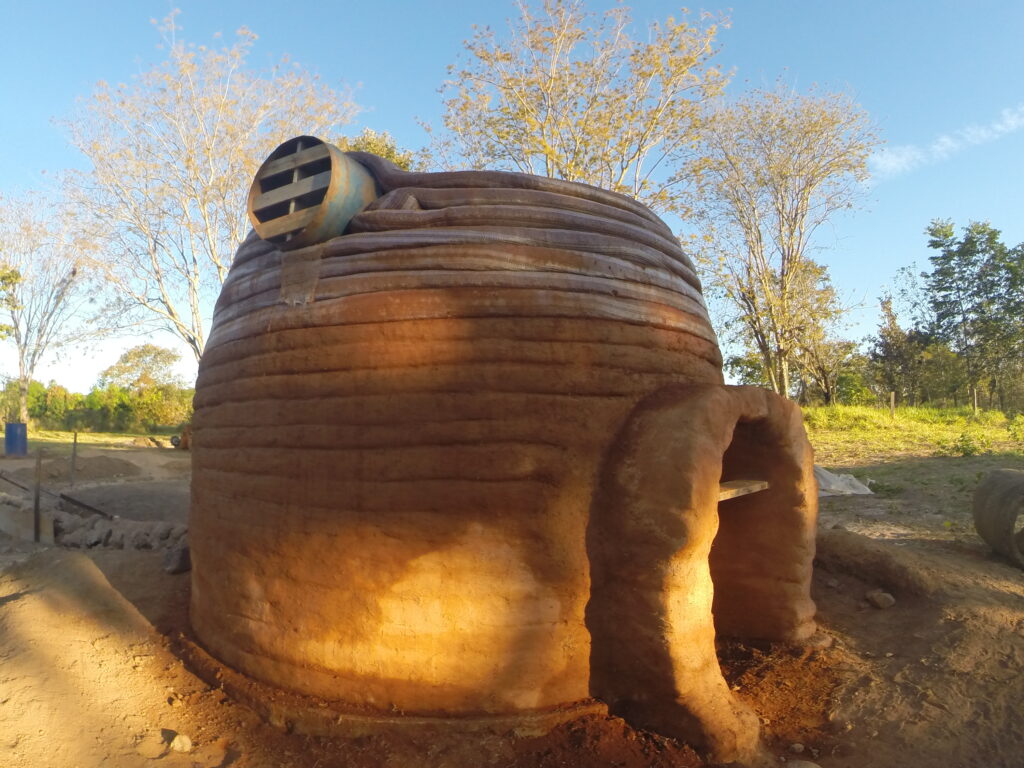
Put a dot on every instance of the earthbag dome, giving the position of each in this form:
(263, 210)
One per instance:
(465, 460)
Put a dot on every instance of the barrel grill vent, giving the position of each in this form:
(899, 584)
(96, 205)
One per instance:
(289, 187)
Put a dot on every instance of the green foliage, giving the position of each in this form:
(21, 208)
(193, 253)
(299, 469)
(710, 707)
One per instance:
(142, 367)
(380, 144)
(965, 343)
(975, 292)
(1015, 427)
(116, 409)
(11, 393)
(774, 167)
(966, 444)
(106, 408)
(896, 356)
(852, 388)
(9, 280)
(747, 369)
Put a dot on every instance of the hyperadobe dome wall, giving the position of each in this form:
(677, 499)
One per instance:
(402, 444)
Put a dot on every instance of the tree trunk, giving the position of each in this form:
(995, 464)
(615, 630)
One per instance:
(784, 377)
(23, 400)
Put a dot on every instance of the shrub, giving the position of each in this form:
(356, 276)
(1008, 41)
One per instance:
(966, 444)
(1015, 427)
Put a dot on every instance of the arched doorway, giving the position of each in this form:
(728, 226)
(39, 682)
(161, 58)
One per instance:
(669, 569)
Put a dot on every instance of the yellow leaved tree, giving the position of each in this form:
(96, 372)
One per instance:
(774, 167)
(573, 96)
(172, 155)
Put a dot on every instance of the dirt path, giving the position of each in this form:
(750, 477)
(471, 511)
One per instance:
(85, 680)
(935, 679)
(92, 671)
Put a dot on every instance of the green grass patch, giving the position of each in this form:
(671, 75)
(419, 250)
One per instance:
(854, 435)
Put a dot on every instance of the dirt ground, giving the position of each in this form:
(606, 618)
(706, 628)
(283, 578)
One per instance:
(98, 670)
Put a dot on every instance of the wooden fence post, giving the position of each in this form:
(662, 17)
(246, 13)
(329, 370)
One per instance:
(35, 497)
(74, 456)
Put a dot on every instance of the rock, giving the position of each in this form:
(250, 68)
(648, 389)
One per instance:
(832, 583)
(65, 523)
(796, 748)
(801, 764)
(160, 531)
(139, 538)
(181, 743)
(75, 539)
(212, 755)
(818, 641)
(151, 747)
(97, 535)
(880, 599)
(178, 560)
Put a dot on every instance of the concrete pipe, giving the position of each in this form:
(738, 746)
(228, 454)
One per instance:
(998, 503)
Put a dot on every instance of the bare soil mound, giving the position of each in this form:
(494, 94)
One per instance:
(166, 500)
(87, 468)
(934, 679)
(84, 676)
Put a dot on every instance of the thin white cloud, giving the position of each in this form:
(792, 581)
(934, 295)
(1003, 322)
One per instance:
(894, 161)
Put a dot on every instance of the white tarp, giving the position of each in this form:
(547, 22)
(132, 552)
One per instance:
(831, 484)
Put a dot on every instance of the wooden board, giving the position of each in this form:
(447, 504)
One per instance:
(291, 162)
(291, 191)
(730, 489)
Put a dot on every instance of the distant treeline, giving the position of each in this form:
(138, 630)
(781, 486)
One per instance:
(107, 408)
(950, 336)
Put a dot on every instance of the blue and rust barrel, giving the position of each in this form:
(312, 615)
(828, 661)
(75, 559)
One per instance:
(307, 191)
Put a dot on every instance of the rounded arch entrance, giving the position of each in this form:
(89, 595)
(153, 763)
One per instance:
(671, 566)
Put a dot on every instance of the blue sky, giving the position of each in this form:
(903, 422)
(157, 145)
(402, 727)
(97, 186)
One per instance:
(943, 80)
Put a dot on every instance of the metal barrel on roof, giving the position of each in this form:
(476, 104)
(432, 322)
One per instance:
(306, 192)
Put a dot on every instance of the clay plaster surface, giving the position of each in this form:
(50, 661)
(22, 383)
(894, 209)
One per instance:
(403, 442)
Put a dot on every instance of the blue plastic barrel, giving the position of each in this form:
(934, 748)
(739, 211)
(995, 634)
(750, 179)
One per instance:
(16, 439)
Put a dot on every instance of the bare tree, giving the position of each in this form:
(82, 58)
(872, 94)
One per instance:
(172, 156)
(775, 166)
(564, 98)
(49, 296)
